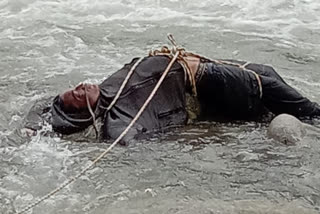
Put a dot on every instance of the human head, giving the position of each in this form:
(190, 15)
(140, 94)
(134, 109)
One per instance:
(75, 99)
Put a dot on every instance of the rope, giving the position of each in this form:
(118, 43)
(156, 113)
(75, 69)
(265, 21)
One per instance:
(165, 51)
(92, 115)
(124, 84)
(72, 179)
(182, 53)
(115, 99)
(222, 62)
(175, 54)
(243, 67)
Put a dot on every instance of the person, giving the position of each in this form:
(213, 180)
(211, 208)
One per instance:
(227, 89)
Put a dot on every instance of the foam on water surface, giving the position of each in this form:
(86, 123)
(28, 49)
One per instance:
(47, 45)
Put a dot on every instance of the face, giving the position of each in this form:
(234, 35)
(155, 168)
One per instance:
(76, 98)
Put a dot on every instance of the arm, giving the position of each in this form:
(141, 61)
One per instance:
(115, 123)
(38, 115)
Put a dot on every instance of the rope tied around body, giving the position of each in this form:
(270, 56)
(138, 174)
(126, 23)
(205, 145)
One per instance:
(243, 67)
(192, 79)
(83, 171)
(175, 54)
(165, 51)
(115, 99)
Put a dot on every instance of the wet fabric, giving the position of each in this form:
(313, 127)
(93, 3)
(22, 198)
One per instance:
(229, 92)
(225, 92)
(39, 114)
(166, 109)
(279, 98)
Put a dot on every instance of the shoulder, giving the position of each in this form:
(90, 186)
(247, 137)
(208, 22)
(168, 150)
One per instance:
(157, 64)
(148, 66)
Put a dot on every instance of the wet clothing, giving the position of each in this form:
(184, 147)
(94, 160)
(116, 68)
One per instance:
(233, 93)
(39, 115)
(167, 108)
(223, 91)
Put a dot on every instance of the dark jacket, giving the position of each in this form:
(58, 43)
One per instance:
(224, 92)
(167, 108)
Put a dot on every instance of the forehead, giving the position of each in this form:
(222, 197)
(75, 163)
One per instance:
(66, 96)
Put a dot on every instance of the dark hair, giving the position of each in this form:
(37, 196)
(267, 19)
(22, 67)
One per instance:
(59, 102)
(67, 121)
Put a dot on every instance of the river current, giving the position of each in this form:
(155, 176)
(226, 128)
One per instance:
(225, 168)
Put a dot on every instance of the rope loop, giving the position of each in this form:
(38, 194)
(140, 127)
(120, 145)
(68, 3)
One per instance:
(181, 54)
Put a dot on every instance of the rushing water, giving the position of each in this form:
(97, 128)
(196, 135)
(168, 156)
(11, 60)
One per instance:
(47, 45)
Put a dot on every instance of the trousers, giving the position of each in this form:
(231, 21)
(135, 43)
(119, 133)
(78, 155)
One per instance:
(227, 90)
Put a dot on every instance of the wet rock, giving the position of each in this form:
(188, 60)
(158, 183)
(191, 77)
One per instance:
(246, 156)
(286, 129)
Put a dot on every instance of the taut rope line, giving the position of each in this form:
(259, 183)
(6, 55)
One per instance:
(72, 179)
(115, 99)
(92, 114)
(165, 51)
(223, 62)
(176, 54)
(124, 84)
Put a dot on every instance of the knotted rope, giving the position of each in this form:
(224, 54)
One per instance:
(165, 51)
(183, 53)
(241, 66)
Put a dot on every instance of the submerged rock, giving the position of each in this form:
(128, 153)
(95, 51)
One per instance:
(286, 129)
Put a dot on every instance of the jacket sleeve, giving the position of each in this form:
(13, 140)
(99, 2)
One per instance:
(115, 123)
(38, 115)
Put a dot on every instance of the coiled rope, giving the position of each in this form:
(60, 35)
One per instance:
(72, 179)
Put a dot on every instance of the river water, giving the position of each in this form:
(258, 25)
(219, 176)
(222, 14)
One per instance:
(48, 45)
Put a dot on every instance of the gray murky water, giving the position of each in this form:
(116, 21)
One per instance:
(47, 45)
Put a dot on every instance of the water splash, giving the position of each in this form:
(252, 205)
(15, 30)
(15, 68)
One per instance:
(45, 45)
